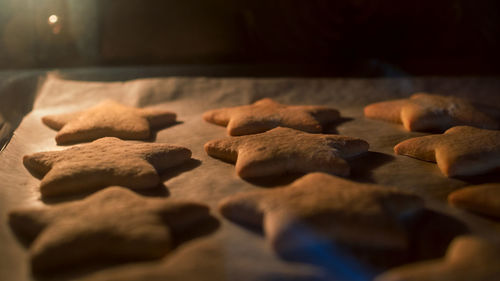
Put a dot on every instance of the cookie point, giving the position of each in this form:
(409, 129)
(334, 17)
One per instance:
(14, 215)
(52, 122)
(227, 206)
(247, 172)
(241, 208)
(368, 110)
(397, 149)
(46, 119)
(454, 199)
(27, 158)
(33, 163)
(365, 146)
(208, 146)
(60, 139)
(447, 171)
(207, 116)
(116, 189)
(47, 192)
(264, 100)
(186, 151)
(408, 125)
(402, 147)
(223, 204)
(233, 131)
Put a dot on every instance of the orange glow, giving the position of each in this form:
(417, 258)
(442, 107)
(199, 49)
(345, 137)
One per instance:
(53, 19)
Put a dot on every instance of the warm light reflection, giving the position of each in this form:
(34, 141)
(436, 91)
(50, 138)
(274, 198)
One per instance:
(53, 19)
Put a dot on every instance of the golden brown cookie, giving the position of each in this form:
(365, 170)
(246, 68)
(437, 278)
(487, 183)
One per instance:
(483, 199)
(266, 114)
(108, 119)
(460, 151)
(283, 150)
(205, 260)
(101, 163)
(114, 224)
(323, 209)
(427, 112)
(469, 258)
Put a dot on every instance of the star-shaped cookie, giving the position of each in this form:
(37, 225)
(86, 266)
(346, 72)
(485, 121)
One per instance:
(483, 199)
(104, 162)
(320, 209)
(114, 224)
(469, 258)
(266, 114)
(427, 112)
(205, 260)
(108, 119)
(460, 151)
(283, 150)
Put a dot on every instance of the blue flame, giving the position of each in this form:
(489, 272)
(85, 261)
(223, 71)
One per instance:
(312, 248)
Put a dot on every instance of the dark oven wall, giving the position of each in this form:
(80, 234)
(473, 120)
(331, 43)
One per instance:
(357, 37)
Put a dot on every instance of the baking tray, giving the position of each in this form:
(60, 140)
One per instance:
(234, 252)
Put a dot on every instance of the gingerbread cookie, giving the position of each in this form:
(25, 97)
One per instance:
(206, 260)
(283, 150)
(483, 199)
(460, 151)
(468, 258)
(320, 209)
(266, 114)
(108, 119)
(104, 162)
(114, 224)
(426, 112)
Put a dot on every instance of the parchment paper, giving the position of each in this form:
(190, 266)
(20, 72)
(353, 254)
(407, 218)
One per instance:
(243, 254)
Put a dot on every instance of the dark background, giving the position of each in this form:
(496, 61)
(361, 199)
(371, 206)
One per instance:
(307, 38)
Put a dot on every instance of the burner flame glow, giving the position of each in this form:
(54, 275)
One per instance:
(53, 19)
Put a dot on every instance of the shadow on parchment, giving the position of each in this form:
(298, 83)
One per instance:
(158, 191)
(363, 165)
(490, 177)
(177, 170)
(274, 181)
(331, 128)
(155, 130)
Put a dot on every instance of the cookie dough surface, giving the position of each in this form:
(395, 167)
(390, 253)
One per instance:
(468, 258)
(112, 224)
(104, 162)
(108, 119)
(266, 114)
(283, 150)
(326, 206)
(432, 112)
(483, 199)
(459, 151)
